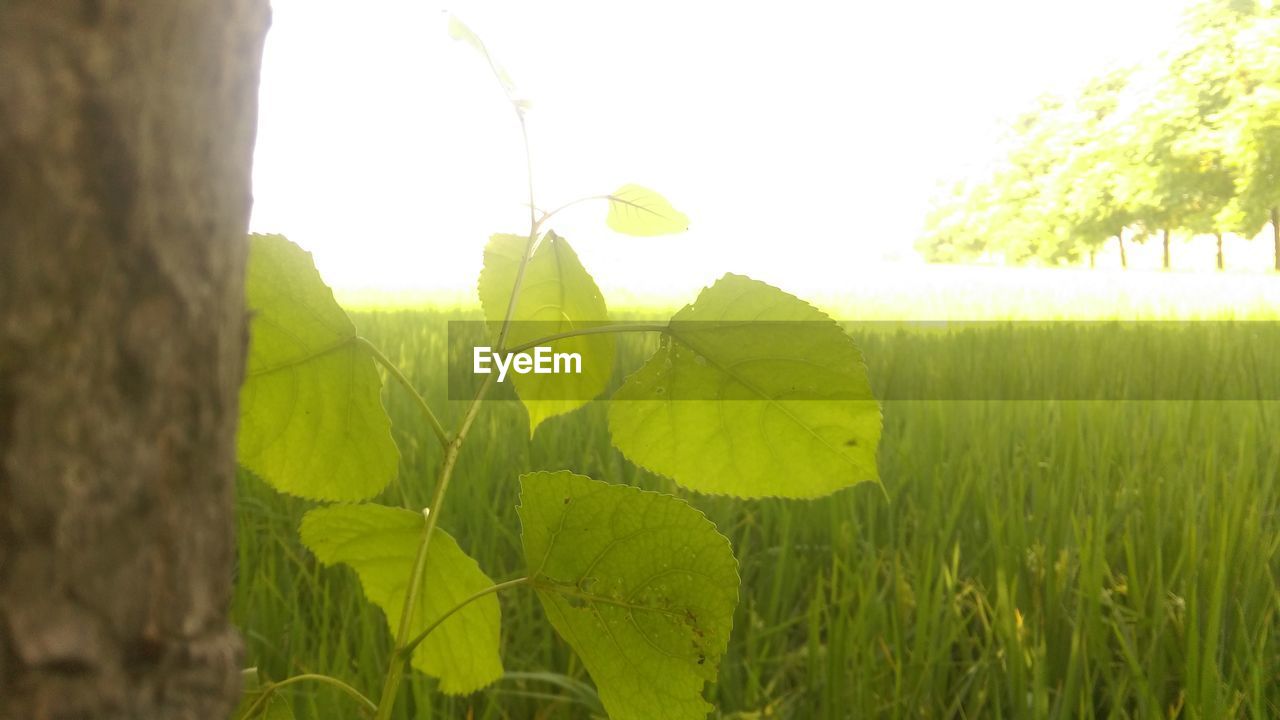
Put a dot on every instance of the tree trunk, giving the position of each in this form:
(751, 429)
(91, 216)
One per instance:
(1164, 239)
(1221, 261)
(1093, 258)
(126, 139)
(1275, 234)
(1124, 259)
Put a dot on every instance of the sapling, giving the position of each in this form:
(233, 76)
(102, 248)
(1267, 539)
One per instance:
(752, 393)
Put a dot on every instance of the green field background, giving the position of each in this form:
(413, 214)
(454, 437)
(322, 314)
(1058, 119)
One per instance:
(1040, 558)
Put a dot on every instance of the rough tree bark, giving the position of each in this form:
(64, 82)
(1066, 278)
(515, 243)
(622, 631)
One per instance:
(1164, 241)
(126, 138)
(1221, 260)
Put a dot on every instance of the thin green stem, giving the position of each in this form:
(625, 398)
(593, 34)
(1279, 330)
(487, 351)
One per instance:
(597, 330)
(391, 683)
(475, 596)
(534, 224)
(335, 682)
(528, 170)
(452, 447)
(511, 304)
(441, 434)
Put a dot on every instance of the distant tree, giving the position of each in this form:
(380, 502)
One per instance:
(1094, 184)
(952, 232)
(1249, 132)
(1041, 144)
(1186, 143)
(1190, 183)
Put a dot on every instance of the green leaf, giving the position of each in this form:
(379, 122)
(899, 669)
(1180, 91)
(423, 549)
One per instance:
(635, 210)
(460, 32)
(275, 707)
(311, 417)
(381, 544)
(639, 583)
(754, 393)
(556, 295)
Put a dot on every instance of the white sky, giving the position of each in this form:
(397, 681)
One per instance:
(803, 139)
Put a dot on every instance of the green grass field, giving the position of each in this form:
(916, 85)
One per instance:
(1038, 558)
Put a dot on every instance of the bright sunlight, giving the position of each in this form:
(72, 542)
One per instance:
(789, 133)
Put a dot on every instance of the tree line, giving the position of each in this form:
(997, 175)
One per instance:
(1186, 144)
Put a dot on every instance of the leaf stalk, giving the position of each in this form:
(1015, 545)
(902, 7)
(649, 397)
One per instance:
(260, 702)
(412, 644)
(384, 361)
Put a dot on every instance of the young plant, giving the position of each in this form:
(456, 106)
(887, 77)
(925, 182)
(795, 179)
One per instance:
(751, 393)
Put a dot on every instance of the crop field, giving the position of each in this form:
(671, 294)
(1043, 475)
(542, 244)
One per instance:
(1038, 550)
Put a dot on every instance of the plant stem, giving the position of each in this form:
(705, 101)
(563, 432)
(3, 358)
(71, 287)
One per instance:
(266, 692)
(452, 447)
(402, 652)
(391, 683)
(597, 330)
(548, 215)
(476, 596)
(528, 248)
(436, 427)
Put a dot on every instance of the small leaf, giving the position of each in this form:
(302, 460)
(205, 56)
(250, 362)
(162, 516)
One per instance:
(753, 393)
(381, 544)
(460, 32)
(311, 417)
(635, 210)
(556, 295)
(275, 707)
(639, 583)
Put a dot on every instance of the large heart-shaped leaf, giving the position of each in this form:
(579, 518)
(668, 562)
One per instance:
(754, 393)
(381, 544)
(636, 210)
(639, 583)
(556, 295)
(311, 417)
